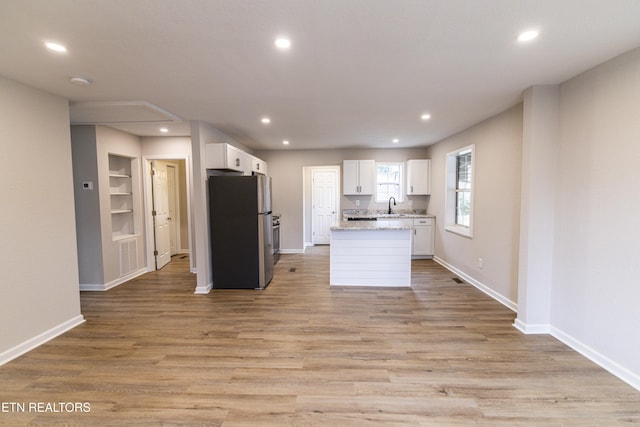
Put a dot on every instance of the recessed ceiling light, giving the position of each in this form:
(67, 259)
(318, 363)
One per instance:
(265, 120)
(528, 35)
(283, 43)
(395, 140)
(425, 116)
(56, 47)
(80, 81)
(164, 130)
(285, 142)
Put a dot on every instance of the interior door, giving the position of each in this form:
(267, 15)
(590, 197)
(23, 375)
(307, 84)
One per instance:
(324, 205)
(160, 214)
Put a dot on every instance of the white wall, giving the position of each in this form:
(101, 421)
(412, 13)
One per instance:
(39, 290)
(595, 294)
(496, 209)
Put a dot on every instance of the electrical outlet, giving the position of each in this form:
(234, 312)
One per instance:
(357, 202)
(480, 263)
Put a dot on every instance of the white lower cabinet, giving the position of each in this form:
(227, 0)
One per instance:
(423, 238)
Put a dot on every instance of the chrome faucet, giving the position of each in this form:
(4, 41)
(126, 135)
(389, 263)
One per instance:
(394, 203)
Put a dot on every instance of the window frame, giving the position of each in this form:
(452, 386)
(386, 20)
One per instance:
(401, 185)
(452, 190)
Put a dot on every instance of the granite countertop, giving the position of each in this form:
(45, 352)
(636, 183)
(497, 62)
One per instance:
(390, 216)
(370, 225)
(401, 213)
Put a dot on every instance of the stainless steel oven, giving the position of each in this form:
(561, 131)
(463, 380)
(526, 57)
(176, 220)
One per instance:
(276, 238)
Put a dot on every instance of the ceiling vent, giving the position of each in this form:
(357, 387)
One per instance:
(118, 112)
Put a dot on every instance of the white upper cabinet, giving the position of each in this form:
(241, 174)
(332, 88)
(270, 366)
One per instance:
(227, 157)
(359, 177)
(258, 165)
(419, 177)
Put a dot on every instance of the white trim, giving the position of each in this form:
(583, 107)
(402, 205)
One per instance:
(203, 290)
(530, 329)
(604, 362)
(459, 230)
(28, 345)
(113, 283)
(484, 288)
(292, 251)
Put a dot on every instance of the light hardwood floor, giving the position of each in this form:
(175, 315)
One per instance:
(302, 354)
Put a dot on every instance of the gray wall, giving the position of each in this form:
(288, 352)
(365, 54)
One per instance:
(595, 290)
(39, 289)
(87, 204)
(498, 144)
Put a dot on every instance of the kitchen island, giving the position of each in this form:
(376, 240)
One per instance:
(370, 253)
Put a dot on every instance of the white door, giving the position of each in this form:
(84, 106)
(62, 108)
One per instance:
(172, 187)
(160, 214)
(324, 204)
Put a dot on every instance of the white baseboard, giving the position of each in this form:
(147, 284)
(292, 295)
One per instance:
(292, 251)
(203, 290)
(113, 283)
(531, 329)
(38, 340)
(484, 288)
(599, 359)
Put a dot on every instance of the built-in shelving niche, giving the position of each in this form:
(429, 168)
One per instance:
(121, 196)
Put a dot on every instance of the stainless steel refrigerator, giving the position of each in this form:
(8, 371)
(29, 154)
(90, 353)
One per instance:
(240, 223)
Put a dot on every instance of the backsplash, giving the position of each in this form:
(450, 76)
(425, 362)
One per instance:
(365, 212)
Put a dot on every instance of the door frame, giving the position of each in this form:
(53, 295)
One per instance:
(310, 170)
(148, 205)
(172, 174)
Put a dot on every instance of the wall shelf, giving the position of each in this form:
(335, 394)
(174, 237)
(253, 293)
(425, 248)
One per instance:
(121, 195)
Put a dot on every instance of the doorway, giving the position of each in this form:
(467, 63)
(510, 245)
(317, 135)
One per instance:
(167, 216)
(325, 202)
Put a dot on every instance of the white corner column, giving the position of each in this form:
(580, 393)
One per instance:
(200, 210)
(541, 109)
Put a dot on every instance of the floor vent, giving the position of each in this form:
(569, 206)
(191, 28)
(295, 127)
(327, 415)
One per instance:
(292, 270)
(455, 279)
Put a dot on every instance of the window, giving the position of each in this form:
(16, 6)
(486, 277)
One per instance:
(389, 182)
(459, 196)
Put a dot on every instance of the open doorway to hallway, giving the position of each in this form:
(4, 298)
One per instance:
(167, 216)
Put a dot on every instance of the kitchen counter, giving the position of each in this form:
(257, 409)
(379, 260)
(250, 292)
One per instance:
(370, 253)
(370, 225)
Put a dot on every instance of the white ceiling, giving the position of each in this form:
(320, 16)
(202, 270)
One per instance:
(359, 73)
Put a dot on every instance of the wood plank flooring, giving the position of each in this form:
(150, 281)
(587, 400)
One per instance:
(302, 354)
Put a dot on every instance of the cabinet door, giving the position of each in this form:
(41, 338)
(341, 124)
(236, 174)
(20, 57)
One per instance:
(258, 166)
(366, 176)
(350, 184)
(234, 159)
(418, 177)
(423, 237)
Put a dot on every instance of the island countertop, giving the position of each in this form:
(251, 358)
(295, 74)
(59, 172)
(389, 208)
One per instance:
(371, 225)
